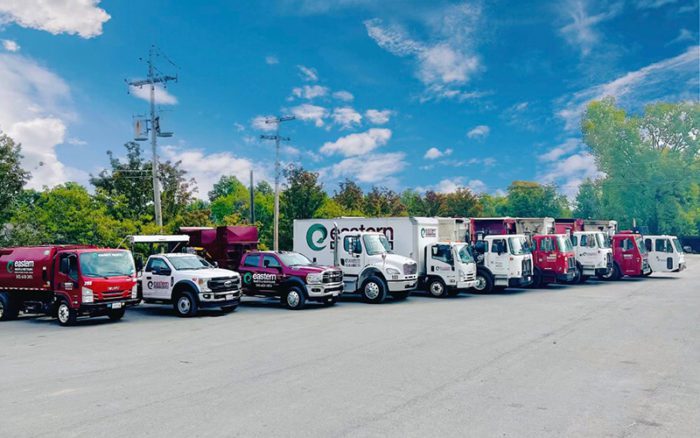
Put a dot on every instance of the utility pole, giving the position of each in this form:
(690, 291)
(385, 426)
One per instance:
(151, 81)
(277, 138)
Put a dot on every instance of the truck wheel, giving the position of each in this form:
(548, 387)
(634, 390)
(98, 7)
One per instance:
(577, 275)
(66, 316)
(330, 301)
(484, 283)
(437, 288)
(584, 278)
(294, 299)
(400, 296)
(185, 305)
(648, 273)
(8, 310)
(536, 279)
(374, 290)
(116, 315)
(229, 309)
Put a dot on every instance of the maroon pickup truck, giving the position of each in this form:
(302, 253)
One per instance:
(290, 276)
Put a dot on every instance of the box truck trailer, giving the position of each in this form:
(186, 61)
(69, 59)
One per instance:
(66, 282)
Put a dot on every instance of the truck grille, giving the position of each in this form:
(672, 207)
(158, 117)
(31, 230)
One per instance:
(224, 284)
(410, 268)
(113, 294)
(571, 263)
(609, 262)
(332, 276)
(527, 267)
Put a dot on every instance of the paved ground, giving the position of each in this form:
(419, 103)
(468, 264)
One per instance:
(601, 359)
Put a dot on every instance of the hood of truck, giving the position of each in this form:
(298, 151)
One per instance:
(304, 270)
(208, 273)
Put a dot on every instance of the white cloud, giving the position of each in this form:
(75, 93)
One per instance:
(10, 45)
(76, 141)
(370, 169)
(580, 30)
(653, 4)
(239, 127)
(451, 185)
(557, 152)
(162, 96)
(671, 79)
(307, 73)
(346, 117)
(343, 95)
(434, 153)
(206, 169)
(310, 91)
(271, 60)
(258, 123)
(445, 63)
(358, 143)
(481, 131)
(568, 165)
(683, 36)
(310, 113)
(378, 117)
(81, 17)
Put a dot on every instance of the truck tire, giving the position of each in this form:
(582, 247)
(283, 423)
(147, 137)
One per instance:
(536, 279)
(577, 275)
(614, 274)
(185, 304)
(8, 309)
(66, 316)
(484, 282)
(229, 309)
(374, 290)
(400, 296)
(116, 315)
(294, 299)
(584, 278)
(328, 302)
(437, 288)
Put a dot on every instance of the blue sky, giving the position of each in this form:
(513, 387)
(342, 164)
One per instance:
(403, 94)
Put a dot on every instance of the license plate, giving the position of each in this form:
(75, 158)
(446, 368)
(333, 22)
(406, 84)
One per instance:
(229, 297)
(116, 305)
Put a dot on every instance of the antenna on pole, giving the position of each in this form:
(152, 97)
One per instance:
(277, 138)
(142, 128)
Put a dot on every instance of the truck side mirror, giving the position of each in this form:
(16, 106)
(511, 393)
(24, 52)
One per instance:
(215, 264)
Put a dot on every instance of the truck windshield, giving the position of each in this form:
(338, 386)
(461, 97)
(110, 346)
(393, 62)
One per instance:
(677, 245)
(640, 245)
(564, 244)
(518, 246)
(465, 255)
(107, 264)
(188, 262)
(603, 241)
(376, 244)
(294, 259)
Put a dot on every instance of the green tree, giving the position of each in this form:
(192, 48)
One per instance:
(461, 203)
(381, 201)
(413, 201)
(302, 197)
(350, 197)
(493, 205)
(588, 203)
(531, 199)
(12, 176)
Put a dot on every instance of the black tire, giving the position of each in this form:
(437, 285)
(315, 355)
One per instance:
(116, 315)
(536, 279)
(374, 290)
(613, 275)
(436, 287)
(294, 299)
(499, 288)
(577, 275)
(484, 282)
(328, 302)
(8, 309)
(185, 304)
(584, 278)
(65, 315)
(400, 296)
(229, 309)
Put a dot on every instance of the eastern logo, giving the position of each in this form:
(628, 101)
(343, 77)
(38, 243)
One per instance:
(11, 266)
(247, 278)
(315, 235)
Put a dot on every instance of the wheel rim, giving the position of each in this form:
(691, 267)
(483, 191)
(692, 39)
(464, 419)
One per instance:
(184, 305)
(372, 290)
(63, 313)
(293, 298)
(609, 274)
(480, 282)
(436, 288)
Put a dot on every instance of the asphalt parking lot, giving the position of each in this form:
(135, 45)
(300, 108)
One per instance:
(600, 359)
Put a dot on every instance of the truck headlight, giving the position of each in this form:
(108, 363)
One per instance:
(203, 283)
(88, 295)
(393, 271)
(134, 292)
(314, 278)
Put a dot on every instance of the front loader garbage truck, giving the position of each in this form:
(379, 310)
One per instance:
(66, 282)
(665, 253)
(630, 256)
(363, 252)
(593, 255)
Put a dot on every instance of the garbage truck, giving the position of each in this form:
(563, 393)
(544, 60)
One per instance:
(665, 253)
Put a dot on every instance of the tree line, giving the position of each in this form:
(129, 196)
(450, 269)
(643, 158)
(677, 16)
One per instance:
(650, 162)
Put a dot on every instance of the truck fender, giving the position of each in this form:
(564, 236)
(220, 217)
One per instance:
(294, 281)
(368, 272)
(185, 285)
(485, 270)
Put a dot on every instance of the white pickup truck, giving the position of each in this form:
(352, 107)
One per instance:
(188, 283)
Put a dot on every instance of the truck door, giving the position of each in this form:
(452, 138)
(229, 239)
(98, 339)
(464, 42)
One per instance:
(350, 259)
(546, 254)
(661, 257)
(497, 257)
(629, 262)
(249, 269)
(66, 278)
(441, 263)
(272, 268)
(587, 250)
(156, 279)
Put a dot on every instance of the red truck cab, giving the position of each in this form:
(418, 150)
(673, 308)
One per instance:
(630, 256)
(66, 282)
(290, 276)
(554, 259)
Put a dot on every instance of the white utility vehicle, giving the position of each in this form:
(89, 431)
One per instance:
(593, 255)
(665, 253)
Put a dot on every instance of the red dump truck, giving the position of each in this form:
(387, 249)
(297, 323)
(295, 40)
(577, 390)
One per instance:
(66, 281)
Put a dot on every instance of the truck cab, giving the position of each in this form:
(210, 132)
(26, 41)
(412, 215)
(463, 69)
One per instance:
(503, 261)
(188, 282)
(630, 256)
(554, 259)
(665, 253)
(448, 268)
(290, 276)
(593, 255)
(371, 269)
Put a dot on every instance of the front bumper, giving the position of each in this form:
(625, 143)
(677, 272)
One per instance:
(324, 290)
(568, 276)
(408, 283)
(219, 298)
(520, 281)
(102, 307)
(466, 284)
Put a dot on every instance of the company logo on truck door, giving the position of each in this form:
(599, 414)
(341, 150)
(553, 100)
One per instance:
(21, 268)
(428, 232)
(317, 234)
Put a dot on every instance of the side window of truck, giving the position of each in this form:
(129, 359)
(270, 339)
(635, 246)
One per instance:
(499, 245)
(574, 240)
(271, 262)
(442, 253)
(351, 244)
(625, 244)
(546, 244)
(155, 264)
(252, 261)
